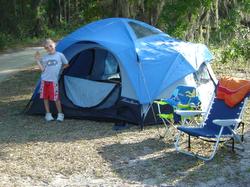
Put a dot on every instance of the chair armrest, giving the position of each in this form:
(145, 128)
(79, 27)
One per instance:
(226, 122)
(189, 113)
(161, 102)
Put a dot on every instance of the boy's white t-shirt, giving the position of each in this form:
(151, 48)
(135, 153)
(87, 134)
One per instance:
(52, 64)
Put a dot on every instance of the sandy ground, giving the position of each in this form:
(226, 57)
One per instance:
(13, 62)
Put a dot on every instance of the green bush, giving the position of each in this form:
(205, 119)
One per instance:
(5, 40)
(236, 50)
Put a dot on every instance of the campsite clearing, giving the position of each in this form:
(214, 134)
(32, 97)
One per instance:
(87, 153)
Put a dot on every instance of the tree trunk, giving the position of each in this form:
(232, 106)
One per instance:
(121, 8)
(208, 23)
(155, 12)
(148, 11)
(68, 12)
(59, 12)
(36, 18)
(216, 10)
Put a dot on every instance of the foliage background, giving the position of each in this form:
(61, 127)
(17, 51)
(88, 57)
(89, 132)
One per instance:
(224, 25)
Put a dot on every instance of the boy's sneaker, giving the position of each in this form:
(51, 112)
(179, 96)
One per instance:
(60, 117)
(49, 117)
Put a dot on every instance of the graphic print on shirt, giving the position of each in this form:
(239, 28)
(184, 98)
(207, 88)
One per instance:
(51, 63)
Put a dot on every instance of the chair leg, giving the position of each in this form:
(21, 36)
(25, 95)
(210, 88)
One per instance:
(210, 157)
(166, 129)
(189, 142)
(237, 138)
(242, 133)
(167, 122)
(233, 144)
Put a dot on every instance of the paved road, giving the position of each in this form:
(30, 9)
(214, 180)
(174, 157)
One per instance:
(14, 62)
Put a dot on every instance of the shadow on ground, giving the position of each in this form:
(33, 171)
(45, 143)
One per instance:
(154, 162)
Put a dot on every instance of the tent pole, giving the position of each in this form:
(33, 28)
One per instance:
(148, 94)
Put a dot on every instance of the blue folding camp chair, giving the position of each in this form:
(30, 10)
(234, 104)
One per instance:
(220, 124)
(183, 98)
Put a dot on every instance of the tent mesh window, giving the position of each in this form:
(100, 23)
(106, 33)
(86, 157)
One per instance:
(141, 31)
(202, 75)
(111, 70)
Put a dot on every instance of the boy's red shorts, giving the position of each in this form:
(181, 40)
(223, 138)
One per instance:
(49, 90)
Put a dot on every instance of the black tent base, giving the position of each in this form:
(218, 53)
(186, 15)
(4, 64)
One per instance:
(122, 114)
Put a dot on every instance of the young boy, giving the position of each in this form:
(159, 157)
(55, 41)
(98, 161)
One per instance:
(51, 66)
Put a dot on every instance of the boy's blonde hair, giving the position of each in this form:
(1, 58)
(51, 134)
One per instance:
(48, 41)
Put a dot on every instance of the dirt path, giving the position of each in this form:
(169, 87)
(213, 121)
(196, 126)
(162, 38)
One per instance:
(13, 62)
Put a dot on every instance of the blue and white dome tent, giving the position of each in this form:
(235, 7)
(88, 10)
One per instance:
(119, 66)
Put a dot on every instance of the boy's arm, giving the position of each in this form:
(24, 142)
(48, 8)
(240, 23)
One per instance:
(64, 61)
(40, 65)
(38, 60)
(65, 66)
